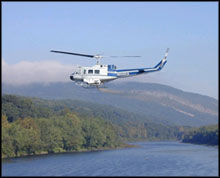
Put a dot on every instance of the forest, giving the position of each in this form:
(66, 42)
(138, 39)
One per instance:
(207, 135)
(55, 134)
(28, 130)
(38, 126)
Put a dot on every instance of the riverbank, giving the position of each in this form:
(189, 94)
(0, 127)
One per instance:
(204, 144)
(122, 146)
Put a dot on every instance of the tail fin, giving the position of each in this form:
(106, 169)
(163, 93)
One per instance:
(163, 61)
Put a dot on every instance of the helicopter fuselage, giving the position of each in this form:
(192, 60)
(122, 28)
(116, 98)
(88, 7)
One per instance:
(98, 74)
(95, 75)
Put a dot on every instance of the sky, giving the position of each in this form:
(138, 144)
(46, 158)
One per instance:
(190, 29)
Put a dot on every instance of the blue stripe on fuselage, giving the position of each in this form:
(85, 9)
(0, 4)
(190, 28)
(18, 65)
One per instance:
(140, 71)
(134, 73)
(124, 70)
(112, 74)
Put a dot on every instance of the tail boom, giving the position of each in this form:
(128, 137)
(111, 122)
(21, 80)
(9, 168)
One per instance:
(132, 72)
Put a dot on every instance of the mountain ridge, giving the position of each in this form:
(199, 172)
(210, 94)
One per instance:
(163, 103)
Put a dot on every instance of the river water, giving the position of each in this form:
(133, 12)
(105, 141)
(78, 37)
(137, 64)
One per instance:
(148, 159)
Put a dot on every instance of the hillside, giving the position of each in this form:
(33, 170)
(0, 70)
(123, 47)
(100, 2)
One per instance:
(131, 126)
(36, 126)
(61, 133)
(159, 103)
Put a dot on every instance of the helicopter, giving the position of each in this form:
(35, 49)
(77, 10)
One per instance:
(99, 74)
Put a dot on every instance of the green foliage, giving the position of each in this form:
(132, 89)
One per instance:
(15, 107)
(7, 143)
(27, 133)
(203, 135)
(34, 126)
(56, 134)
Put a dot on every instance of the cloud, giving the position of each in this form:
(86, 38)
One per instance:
(26, 72)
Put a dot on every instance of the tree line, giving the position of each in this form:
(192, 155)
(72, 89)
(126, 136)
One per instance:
(29, 136)
(204, 135)
(36, 126)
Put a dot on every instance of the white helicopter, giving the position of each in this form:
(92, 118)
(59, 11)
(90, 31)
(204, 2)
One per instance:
(98, 74)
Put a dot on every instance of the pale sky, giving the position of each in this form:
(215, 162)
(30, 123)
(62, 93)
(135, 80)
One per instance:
(190, 29)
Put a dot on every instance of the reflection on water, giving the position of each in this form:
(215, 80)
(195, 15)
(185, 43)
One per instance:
(150, 159)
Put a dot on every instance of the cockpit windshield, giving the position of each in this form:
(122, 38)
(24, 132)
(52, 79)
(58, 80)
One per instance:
(77, 72)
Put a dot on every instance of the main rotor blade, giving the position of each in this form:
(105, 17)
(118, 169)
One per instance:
(77, 54)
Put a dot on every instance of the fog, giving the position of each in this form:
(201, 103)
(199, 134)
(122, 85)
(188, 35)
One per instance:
(26, 72)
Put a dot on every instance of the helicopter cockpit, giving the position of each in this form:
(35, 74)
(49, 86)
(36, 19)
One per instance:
(76, 74)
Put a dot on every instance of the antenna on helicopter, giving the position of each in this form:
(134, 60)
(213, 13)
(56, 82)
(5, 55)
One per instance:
(97, 56)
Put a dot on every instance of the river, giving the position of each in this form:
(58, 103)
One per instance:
(148, 159)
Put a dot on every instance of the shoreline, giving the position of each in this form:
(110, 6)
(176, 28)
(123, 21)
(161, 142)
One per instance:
(202, 144)
(124, 145)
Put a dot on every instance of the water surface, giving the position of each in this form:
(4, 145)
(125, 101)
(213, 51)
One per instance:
(149, 159)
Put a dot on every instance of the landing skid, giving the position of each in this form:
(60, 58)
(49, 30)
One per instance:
(87, 86)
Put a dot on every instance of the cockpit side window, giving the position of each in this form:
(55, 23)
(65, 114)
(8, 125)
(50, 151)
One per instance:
(90, 71)
(97, 71)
